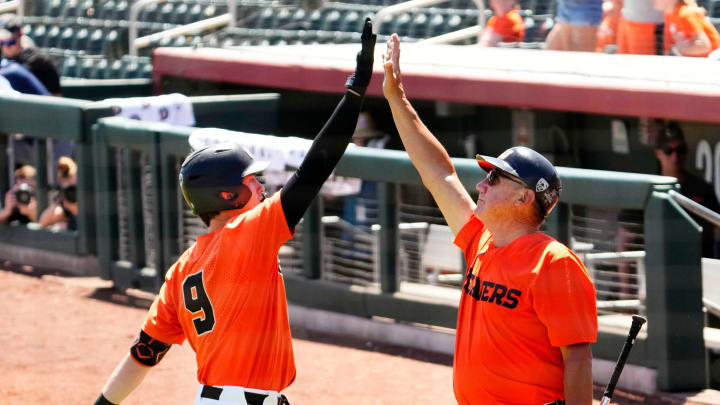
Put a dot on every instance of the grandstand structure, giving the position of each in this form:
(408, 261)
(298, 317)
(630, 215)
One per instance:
(89, 38)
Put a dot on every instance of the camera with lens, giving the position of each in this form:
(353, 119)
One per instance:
(24, 194)
(69, 193)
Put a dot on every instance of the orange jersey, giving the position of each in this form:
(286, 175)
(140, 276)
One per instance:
(510, 26)
(226, 296)
(520, 303)
(689, 22)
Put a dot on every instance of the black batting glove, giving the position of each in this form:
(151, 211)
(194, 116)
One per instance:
(359, 81)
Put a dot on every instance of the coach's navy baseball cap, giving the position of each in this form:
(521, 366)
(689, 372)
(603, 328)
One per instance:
(533, 169)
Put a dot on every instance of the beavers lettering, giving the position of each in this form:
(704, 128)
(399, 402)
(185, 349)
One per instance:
(488, 291)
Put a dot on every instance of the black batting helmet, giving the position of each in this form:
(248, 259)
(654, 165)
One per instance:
(533, 169)
(211, 178)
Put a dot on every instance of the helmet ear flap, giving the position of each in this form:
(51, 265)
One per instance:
(242, 195)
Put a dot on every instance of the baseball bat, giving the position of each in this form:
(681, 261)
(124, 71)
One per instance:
(637, 323)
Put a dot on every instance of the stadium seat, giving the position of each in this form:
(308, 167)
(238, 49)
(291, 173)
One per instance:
(113, 72)
(437, 24)
(146, 70)
(453, 23)
(331, 21)
(209, 11)
(86, 9)
(80, 41)
(418, 25)
(110, 38)
(95, 42)
(283, 16)
(194, 14)
(166, 12)
(315, 19)
(99, 69)
(69, 67)
(714, 9)
(66, 38)
(350, 21)
(54, 8)
(298, 19)
(266, 18)
(179, 14)
(53, 37)
(387, 25)
(70, 9)
(38, 35)
(122, 11)
(85, 67)
(149, 13)
(401, 24)
(105, 10)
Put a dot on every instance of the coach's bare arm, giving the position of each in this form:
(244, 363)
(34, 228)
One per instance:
(427, 154)
(126, 377)
(577, 382)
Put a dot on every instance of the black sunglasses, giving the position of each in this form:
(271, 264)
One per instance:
(680, 149)
(493, 178)
(9, 42)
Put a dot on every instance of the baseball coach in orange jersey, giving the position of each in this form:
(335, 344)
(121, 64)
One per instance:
(225, 295)
(527, 312)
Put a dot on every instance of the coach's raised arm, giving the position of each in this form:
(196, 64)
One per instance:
(527, 311)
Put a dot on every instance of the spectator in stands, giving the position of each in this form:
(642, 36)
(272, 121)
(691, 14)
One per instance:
(607, 31)
(21, 79)
(20, 205)
(688, 32)
(506, 25)
(21, 49)
(640, 29)
(671, 152)
(576, 26)
(63, 212)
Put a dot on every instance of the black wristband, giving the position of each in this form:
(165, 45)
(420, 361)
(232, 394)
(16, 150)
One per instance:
(103, 401)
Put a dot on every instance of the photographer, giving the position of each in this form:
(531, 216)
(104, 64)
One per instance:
(20, 204)
(63, 212)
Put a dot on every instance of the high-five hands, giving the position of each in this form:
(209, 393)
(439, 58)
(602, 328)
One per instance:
(392, 85)
(359, 81)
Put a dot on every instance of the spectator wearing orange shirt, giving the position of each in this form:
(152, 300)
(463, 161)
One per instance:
(607, 31)
(687, 31)
(505, 26)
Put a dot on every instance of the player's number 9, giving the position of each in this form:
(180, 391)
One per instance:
(196, 300)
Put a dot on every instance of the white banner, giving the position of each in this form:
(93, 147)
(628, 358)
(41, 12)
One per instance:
(285, 155)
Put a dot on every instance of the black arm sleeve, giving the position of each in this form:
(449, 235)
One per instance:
(324, 153)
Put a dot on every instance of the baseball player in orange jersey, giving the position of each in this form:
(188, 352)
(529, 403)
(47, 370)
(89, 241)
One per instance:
(225, 294)
(527, 313)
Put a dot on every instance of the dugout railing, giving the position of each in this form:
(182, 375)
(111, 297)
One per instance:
(673, 344)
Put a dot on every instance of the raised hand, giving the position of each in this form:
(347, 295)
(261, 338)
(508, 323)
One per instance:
(392, 85)
(359, 81)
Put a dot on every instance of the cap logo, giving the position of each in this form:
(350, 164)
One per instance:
(541, 185)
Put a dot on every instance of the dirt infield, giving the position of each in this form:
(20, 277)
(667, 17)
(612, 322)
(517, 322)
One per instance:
(64, 335)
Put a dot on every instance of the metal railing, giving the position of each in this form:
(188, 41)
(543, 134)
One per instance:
(135, 43)
(13, 5)
(697, 209)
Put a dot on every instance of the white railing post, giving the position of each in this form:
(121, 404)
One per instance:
(132, 29)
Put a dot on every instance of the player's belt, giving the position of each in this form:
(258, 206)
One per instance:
(251, 396)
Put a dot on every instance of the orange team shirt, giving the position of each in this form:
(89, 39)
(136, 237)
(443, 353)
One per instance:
(520, 303)
(226, 296)
(510, 26)
(690, 22)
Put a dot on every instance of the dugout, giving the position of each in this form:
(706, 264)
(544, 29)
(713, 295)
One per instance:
(586, 111)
